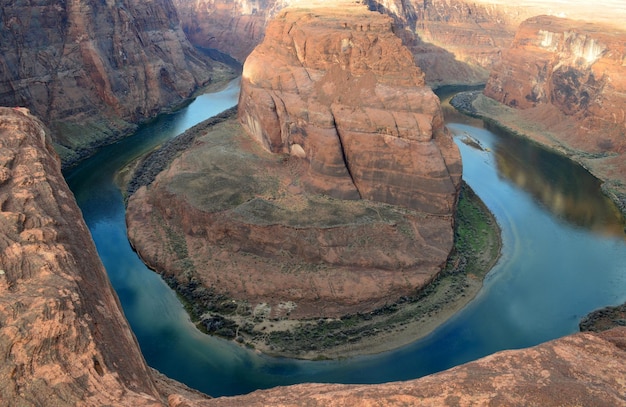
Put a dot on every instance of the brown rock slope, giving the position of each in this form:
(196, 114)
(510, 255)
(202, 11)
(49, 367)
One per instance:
(63, 337)
(566, 81)
(89, 69)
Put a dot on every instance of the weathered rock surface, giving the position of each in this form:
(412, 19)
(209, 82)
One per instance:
(570, 78)
(90, 69)
(336, 88)
(63, 337)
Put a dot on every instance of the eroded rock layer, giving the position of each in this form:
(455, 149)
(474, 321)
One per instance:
(63, 337)
(336, 88)
(89, 69)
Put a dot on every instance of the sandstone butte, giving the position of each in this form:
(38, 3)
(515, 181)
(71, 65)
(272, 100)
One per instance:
(572, 97)
(64, 340)
(92, 70)
(339, 200)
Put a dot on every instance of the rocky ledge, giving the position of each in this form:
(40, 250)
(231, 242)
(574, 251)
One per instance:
(63, 337)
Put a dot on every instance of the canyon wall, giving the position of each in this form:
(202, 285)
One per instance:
(90, 69)
(579, 69)
(566, 80)
(63, 337)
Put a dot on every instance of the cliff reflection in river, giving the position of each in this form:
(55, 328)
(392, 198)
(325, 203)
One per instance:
(572, 194)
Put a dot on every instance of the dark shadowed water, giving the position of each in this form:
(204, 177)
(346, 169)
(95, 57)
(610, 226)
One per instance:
(564, 255)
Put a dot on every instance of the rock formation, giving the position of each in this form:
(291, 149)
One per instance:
(343, 113)
(64, 340)
(343, 94)
(63, 337)
(568, 77)
(581, 369)
(90, 69)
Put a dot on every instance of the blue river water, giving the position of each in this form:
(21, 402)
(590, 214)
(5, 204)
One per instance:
(564, 255)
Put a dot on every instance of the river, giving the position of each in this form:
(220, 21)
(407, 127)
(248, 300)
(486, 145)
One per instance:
(564, 255)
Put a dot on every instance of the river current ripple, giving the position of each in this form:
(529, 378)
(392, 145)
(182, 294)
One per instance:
(564, 255)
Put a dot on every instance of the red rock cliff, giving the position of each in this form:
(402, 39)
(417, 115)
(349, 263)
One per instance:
(63, 337)
(88, 68)
(575, 67)
(343, 94)
(570, 78)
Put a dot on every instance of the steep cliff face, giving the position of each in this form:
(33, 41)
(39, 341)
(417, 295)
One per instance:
(453, 41)
(577, 68)
(233, 27)
(342, 94)
(63, 337)
(90, 69)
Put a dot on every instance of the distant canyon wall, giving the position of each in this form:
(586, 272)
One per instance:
(454, 41)
(90, 69)
(579, 69)
(566, 80)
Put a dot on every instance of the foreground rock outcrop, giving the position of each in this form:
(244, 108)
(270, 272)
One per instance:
(63, 337)
(581, 369)
(572, 97)
(91, 70)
